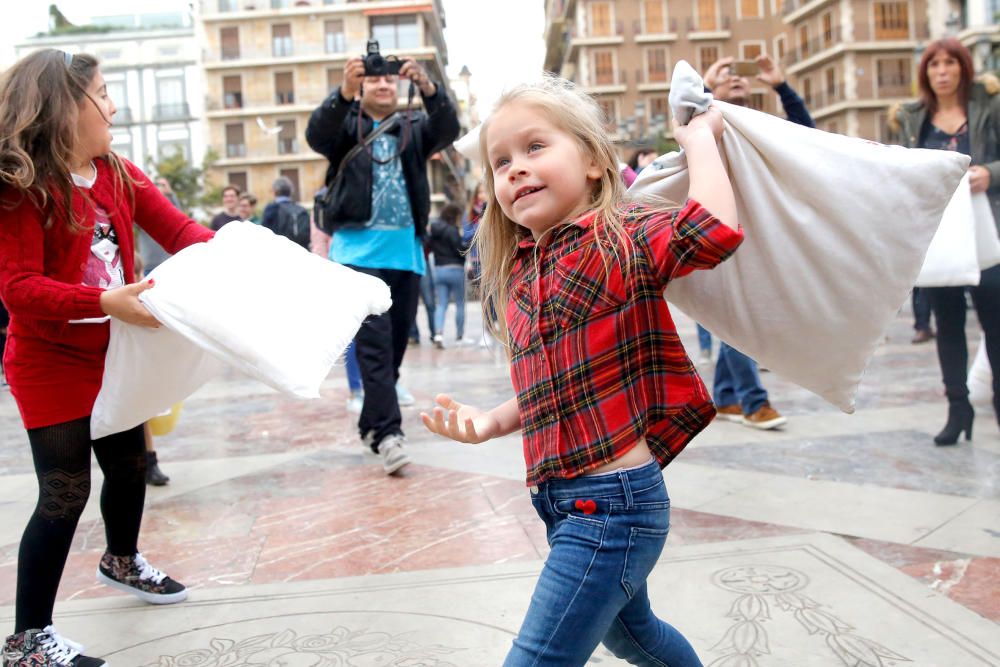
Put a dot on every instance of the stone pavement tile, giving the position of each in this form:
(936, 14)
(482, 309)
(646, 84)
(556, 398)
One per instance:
(976, 531)
(794, 600)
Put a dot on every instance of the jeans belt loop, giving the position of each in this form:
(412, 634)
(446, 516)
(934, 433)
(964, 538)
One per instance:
(623, 477)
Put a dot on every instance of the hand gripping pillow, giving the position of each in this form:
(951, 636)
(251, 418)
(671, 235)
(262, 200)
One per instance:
(247, 299)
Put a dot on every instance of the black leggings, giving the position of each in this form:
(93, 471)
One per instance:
(62, 464)
(953, 352)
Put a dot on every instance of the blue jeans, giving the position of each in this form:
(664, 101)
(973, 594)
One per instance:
(737, 381)
(352, 368)
(704, 339)
(606, 533)
(427, 296)
(449, 285)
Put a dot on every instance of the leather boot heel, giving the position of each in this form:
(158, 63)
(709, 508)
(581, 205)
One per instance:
(960, 417)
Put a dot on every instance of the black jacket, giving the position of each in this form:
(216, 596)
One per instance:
(445, 243)
(333, 131)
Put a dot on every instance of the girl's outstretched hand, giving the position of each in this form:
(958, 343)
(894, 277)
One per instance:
(122, 303)
(464, 422)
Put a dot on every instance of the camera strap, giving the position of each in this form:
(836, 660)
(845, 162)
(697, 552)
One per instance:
(382, 128)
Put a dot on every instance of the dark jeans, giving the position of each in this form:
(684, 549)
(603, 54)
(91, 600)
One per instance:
(949, 308)
(921, 309)
(380, 345)
(737, 381)
(427, 296)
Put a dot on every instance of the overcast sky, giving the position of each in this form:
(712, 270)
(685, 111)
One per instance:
(500, 41)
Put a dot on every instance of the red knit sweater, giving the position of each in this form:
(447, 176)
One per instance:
(55, 368)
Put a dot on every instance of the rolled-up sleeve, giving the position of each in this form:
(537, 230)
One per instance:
(679, 242)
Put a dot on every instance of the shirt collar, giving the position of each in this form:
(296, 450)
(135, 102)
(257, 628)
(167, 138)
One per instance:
(582, 221)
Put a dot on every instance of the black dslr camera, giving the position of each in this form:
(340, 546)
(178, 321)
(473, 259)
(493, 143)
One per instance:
(377, 65)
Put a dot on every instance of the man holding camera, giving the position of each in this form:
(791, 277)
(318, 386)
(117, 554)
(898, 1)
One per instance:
(377, 210)
(737, 390)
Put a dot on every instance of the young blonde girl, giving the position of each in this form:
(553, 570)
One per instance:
(605, 395)
(67, 204)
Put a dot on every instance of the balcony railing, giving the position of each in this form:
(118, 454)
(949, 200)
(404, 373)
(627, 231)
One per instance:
(236, 150)
(813, 46)
(123, 116)
(618, 78)
(284, 97)
(894, 87)
(288, 146)
(175, 111)
(720, 23)
(641, 28)
(617, 30)
(232, 100)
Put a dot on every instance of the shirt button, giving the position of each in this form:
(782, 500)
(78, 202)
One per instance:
(533, 489)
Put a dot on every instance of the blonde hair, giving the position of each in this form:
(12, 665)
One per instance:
(497, 236)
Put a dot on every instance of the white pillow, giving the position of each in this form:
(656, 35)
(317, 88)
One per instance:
(247, 299)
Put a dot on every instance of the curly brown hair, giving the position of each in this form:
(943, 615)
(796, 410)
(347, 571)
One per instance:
(40, 97)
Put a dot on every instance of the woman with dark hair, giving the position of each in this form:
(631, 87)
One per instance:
(446, 244)
(959, 114)
(67, 204)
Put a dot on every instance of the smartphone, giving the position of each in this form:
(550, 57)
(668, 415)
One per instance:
(744, 68)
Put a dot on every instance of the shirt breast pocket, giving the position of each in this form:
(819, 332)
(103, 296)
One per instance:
(519, 314)
(586, 284)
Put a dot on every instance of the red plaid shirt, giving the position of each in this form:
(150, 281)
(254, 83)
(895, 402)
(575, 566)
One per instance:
(595, 359)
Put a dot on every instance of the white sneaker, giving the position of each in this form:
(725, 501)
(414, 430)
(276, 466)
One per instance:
(439, 341)
(403, 395)
(393, 456)
(356, 402)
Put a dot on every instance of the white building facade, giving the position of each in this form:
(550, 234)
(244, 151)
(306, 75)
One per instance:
(154, 77)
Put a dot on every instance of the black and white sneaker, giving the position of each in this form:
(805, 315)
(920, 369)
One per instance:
(392, 453)
(45, 648)
(134, 575)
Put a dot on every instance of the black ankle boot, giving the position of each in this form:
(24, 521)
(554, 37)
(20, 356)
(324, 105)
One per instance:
(154, 476)
(960, 416)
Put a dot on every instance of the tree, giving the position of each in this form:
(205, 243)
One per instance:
(189, 183)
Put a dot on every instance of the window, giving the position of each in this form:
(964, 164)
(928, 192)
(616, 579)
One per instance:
(832, 127)
(708, 18)
(600, 19)
(334, 77)
(292, 175)
(893, 77)
(656, 66)
(827, 23)
(235, 143)
(892, 20)
(116, 91)
(333, 36)
(804, 40)
(229, 38)
(757, 101)
(286, 138)
(239, 179)
(395, 32)
(604, 68)
(831, 85)
(281, 39)
(281, 4)
(750, 9)
(170, 99)
(807, 91)
(658, 106)
(779, 48)
(232, 92)
(229, 5)
(172, 147)
(750, 50)
(706, 56)
(655, 17)
(284, 88)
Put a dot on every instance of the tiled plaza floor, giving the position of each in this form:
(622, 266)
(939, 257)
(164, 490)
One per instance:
(839, 540)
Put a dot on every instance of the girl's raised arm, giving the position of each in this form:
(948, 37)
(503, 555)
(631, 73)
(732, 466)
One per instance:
(710, 184)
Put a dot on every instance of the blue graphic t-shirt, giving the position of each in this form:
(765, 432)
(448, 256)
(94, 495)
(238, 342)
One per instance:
(390, 242)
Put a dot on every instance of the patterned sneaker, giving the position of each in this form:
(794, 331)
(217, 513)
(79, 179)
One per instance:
(134, 575)
(766, 418)
(45, 648)
(393, 456)
(729, 413)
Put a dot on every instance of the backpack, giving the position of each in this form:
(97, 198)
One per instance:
(293, 223)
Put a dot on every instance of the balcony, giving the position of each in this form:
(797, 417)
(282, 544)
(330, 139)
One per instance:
(643, 35)
(236, 150)
(177, 111)
(716, 29)
(288, 146)
(607, 82)
(813, 47)
(611, 35)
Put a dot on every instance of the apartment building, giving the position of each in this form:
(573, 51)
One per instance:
(150, 63)
(849, 59)
(269, 63)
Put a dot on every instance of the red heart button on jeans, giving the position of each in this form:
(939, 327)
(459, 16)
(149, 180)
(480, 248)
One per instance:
(586, 506)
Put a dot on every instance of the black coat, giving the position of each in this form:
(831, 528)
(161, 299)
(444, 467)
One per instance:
(333, 131)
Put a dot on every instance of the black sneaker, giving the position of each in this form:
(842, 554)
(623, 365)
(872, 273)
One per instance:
(45, 648)
(134, 575)
(154, 476)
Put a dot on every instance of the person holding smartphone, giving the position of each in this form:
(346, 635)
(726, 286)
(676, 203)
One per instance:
(729, 81)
